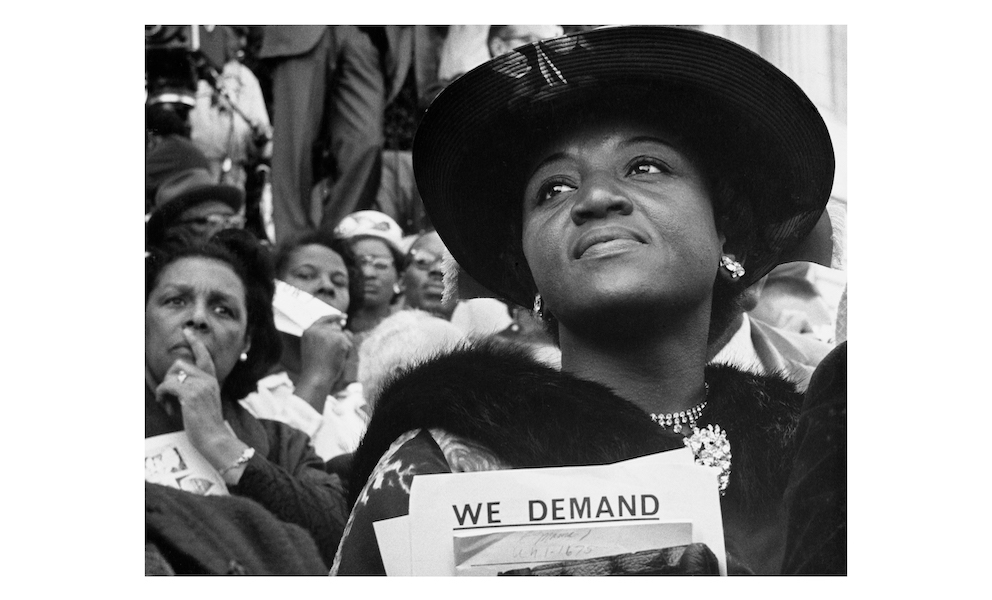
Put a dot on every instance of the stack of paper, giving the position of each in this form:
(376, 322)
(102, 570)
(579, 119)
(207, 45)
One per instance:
(489, 522)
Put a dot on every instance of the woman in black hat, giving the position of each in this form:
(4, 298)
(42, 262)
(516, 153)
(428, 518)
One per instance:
(629, 183)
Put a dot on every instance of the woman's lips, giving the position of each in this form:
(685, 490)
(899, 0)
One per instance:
(433, 289)
(605, 242)
(183, 350)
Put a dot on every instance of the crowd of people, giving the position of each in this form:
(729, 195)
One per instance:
(571, 258)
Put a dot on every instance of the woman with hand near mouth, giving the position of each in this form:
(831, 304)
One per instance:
(313, 387)
(629, 183)
(209, 337)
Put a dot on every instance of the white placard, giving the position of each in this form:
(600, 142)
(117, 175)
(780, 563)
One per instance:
(512, 504)
(295, 310)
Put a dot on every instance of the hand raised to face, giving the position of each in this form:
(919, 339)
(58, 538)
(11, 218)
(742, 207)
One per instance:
(195, 388)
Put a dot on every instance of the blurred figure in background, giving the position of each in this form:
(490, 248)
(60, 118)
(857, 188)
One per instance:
(503, 38)
(230, 123)
(468, 46)
(791, 302)
(423, 279)
(376, 241)
(401, 341)
(193, 205)
(328, 91)
(169, 156)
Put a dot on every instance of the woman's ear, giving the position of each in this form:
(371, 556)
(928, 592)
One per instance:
(247, 347)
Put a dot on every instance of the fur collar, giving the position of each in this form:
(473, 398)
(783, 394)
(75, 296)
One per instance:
(530, 415)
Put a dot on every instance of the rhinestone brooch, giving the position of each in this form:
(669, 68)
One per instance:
(712, 449)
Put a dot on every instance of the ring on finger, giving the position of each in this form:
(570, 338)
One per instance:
(181, 376)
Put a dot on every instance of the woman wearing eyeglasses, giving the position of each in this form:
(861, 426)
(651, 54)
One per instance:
(376, 240)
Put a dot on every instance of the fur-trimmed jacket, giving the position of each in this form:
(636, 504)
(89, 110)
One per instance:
(492, 406)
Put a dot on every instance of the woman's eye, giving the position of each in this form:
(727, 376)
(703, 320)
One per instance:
(224, 311)
(646, 168)
(340, 282)
(175, 301)
(550, 190)
(303, 276)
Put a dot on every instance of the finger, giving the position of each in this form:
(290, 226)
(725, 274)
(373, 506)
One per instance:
(183, 366)
(330, 320)
(200, 353)
(167, 393)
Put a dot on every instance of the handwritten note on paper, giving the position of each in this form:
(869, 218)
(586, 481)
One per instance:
(615, 498)
(492, 553)
(171, 460)
(295, 310)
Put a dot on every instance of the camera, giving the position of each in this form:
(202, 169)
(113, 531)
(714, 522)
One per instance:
(170, 72)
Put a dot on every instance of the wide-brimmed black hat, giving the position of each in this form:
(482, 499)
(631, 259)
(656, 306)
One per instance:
(749, 123)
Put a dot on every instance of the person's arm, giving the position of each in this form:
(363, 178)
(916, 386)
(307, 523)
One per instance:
(291, 482)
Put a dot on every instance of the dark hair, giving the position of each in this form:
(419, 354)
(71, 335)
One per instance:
(251, 262)
(356, 291)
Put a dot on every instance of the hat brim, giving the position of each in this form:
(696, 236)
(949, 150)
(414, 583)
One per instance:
(167, 214)
(468, 148)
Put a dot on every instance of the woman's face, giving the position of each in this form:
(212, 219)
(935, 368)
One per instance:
(320, 271)
(205, 295)
(615, 217)
(378, 271)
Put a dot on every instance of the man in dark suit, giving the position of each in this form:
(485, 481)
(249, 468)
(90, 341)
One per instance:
(328, 84)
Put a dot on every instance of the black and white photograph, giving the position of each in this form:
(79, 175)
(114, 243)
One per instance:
(434, 300)
(575, 297)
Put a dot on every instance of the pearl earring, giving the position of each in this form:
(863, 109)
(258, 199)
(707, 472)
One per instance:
(244, 356)
(736, 269)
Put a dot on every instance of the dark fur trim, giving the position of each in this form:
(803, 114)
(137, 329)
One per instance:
(760, 414)
(530, 415)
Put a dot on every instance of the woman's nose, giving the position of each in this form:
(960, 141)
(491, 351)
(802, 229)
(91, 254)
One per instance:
(597, 197)
(197, 318)
(327, 286)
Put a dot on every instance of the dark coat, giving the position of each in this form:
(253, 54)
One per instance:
(285, 476)
(187, 534)
(528, 415)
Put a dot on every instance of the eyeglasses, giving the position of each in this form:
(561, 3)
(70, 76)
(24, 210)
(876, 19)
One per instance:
(216, 221)
(423, 259)
(379, 263)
